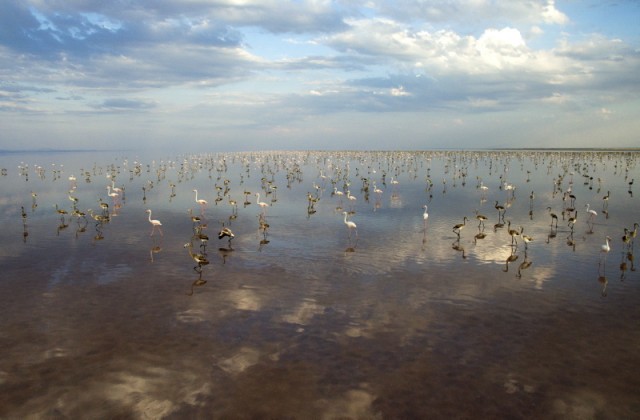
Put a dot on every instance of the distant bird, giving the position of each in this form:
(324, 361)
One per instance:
(500, 209)
(483, 187)
(592, 213)
(155, 224)
(514, 233)
(194, 219)
(457, 228)
(201, 202)
(605, 200)
(262, 204)
(225, 232)
(554, 217)
(114, 195)
(350, 225)
(481, 219)
(425, 216)
(200, 259)
(572, 220)
(526, 239)
(606, 247)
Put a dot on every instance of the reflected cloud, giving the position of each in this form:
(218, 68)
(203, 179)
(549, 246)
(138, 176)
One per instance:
(304, 312)
(240, 361)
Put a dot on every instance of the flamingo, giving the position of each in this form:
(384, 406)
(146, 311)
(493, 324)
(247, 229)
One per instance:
(592, 213)
(425, 216)
(457, 228)
(554, 217)
(481, 219)
(262, 204)
(350, 225)
(514, 233)
(226, 232)
(606, 247)
(155, 223)
(572, 220)
(526, 239)
(200, 259)
(351, 198)
(201, 202)
(114, 195)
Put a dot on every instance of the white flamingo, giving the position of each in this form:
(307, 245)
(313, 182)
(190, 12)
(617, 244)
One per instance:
(350, 225)
(155, 223)
(262, 204)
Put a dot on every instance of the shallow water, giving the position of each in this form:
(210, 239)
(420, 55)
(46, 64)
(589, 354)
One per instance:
(308, 320)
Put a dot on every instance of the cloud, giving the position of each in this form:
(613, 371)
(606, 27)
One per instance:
(119, 104)
(233, 65)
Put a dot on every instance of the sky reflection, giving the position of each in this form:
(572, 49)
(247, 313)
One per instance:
(322, 318)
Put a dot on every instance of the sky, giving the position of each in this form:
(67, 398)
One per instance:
(235, 75)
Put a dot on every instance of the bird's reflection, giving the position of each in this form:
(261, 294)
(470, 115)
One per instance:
(156, 247)
(25, 232)
(455, 245)
(570, 241)
(524, 264)
(511, 258)
(602, 279)
(353, 244)
(480, 235)
(197, 283)
(225, 252)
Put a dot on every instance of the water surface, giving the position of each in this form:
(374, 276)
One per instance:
(306, 319)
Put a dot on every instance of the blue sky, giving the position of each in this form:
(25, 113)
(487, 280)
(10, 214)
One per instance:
(227, 75)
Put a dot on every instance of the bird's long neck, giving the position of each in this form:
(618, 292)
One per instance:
(149, 215)
(257, 197)
(196, 191)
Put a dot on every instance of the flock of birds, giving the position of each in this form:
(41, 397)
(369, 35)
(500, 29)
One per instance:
(339, 174)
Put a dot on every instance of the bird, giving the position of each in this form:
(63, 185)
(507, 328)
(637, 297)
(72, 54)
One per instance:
(605, 200)
(226, 232)
(201, 202)
(194, 219)
(514, 233)
(481, 219)
(114, 195)
(592, 213)
(483, 187)
(606, 247)
(351, 198)
(500, 209)
(350, 225)
(457, 228)
(200, 259)
(425, 216)
(155, 223)
(554, 217)
(526, 239)
(262, 204)
(572, 220)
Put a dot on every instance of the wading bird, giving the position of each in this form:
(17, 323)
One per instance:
(201, 202)
(457, 228)
(155, 223)
(350, 225)
(262, 204)
(425, 216)
(225, 232)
